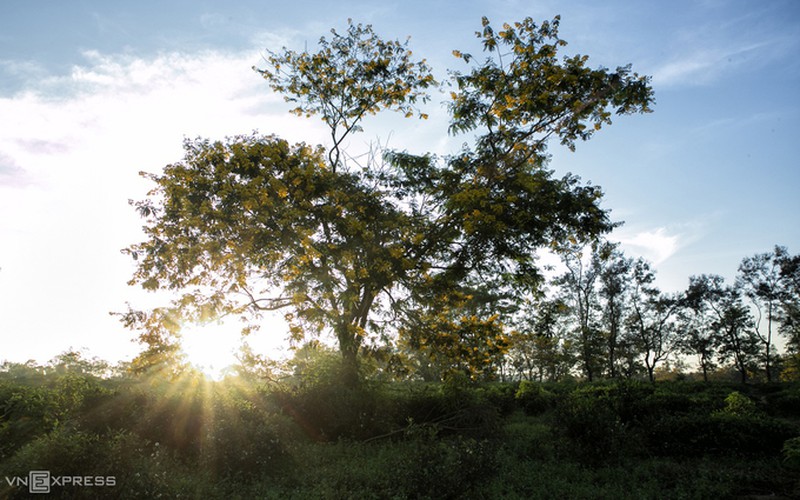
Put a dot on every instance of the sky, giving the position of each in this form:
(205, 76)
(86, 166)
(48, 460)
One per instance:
(92, 92)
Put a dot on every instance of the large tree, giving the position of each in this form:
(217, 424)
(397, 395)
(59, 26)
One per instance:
(254, 223)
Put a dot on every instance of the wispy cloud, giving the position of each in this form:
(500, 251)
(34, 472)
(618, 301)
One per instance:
(726, 44)
(700, 67)
(11, 174)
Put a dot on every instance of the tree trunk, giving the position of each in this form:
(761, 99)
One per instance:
(705, 369)
(769, 341)
(651, 371)
(349, 349)
(350, 377)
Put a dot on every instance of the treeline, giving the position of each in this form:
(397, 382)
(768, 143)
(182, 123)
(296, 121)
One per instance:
(604, 317)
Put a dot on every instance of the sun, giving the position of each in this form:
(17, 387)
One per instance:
(212, 348)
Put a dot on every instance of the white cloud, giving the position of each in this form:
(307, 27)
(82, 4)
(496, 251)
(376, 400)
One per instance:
(654, 245)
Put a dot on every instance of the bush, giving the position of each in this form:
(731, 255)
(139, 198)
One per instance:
(791, 452)
(737, 404)
(698, 435)
(785, 402)
(139, 468)
(25, 413)
(244, 442)
(533, 398)
(327, 412)
(500, 395)
(588, 418)
(447, 468)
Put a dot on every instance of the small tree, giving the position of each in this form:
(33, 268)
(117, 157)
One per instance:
(790, 309)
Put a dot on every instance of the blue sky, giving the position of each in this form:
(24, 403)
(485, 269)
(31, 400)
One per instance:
(92, 92)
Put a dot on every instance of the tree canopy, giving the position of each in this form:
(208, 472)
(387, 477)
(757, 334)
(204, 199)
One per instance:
(252, 223)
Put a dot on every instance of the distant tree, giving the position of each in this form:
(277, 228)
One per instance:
(738, 340)
(160, 336)
(254, 224)
(579, 292)
(698, 335)
(725, 323)
(790, 309)
(614, 280)
(27, 372)
(651, 318)
(74, 362)
(759, 279)
(539, 348)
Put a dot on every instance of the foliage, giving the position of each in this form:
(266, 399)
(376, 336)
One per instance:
(719, 433)
(352, 75)
(580, 294)
(525, 92)
(759, 279)
(588, 417)
(457, 344)
(651, 327)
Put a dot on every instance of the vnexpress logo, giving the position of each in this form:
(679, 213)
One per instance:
(41, 481)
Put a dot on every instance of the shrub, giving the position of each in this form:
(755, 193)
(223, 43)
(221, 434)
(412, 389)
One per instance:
(737, 404)
(327, 412)
(241, 441)
(500, 395)
(785, 402)
(629, 398)
(589, 419)
(698, 435)
(25, 413)
(533, 398)
(448, 468)
(140, 469)
(791, 452)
